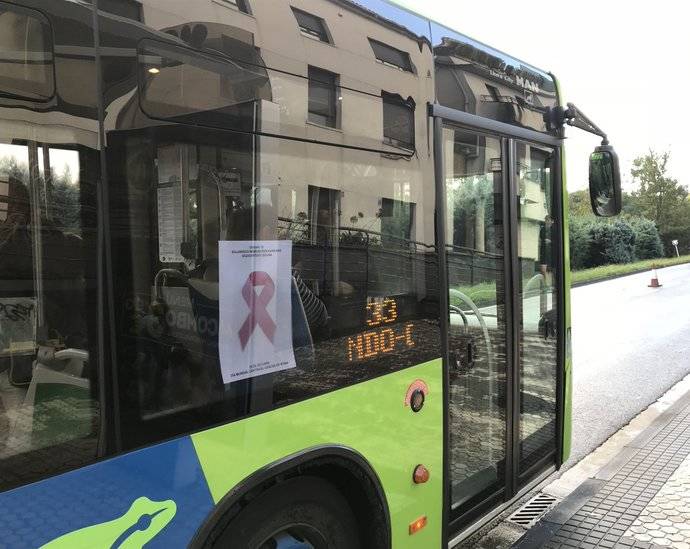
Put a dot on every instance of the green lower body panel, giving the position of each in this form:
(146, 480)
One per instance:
(371, 418)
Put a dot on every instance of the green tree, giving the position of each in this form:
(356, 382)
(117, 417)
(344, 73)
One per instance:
(647, 241)
(658, 197)
(579, 204)
(631, 206)
(473, 210)
(65, 202)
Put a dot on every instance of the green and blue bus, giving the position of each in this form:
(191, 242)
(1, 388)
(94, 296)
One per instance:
(276, 274)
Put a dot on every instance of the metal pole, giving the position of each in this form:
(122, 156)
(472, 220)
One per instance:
(47, 179)
(36, 238)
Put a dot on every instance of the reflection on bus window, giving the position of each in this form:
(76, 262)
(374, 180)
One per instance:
(26, 56)
(361, 234)
(176, 82)
(478, 322)
(47, 311)
(538, 283)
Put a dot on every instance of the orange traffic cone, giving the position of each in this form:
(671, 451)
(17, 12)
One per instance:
(655, 279)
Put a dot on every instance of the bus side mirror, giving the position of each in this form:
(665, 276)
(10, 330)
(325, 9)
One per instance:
(605, 182)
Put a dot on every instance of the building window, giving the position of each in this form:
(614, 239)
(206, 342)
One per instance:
(323, 97)
(239, 5)
(391, 56)
(397, 221)
(398, 120)
(312, 26)
(324, 212)
(494, 93)
(131, 9)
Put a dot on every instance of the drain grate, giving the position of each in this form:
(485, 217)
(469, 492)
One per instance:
(533, 510)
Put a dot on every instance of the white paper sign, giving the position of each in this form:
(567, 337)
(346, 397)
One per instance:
(170, 204)
(255, 335)
(170, 228)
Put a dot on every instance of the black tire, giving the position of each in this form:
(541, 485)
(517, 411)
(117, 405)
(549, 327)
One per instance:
(309, 508)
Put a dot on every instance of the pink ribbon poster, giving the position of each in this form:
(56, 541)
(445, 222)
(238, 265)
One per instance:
(255, 336)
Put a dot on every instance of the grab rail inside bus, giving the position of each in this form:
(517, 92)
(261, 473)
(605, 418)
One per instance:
(458, 310)
(542, 292)
(539, 277)
(480, 318)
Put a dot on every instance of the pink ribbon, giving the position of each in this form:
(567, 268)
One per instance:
(257, 307)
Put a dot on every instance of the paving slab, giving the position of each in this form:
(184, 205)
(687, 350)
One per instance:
(640, 500)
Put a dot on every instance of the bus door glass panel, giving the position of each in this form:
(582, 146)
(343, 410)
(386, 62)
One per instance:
(49, 414)
(537, 282)
(477, 339)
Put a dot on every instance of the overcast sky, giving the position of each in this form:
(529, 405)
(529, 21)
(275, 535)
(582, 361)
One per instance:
(626, 64)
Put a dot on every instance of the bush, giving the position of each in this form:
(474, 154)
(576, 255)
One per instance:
(612, 243)
(647, 240)
(595, 241)
(580, 243)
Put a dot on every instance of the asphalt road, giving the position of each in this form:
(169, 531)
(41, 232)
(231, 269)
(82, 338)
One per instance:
(630, 344)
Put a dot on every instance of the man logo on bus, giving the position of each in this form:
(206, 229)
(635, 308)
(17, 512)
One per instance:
(258, 314)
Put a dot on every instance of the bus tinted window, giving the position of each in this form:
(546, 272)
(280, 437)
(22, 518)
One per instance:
(48, 414)
(211, 66)
(26, 56)
(211, 161)
(49, 163)
(359, 286)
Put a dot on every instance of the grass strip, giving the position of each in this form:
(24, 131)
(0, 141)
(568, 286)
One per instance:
(484, 293)
(613, 271)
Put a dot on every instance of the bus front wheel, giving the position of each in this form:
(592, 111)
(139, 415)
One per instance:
(300, 513)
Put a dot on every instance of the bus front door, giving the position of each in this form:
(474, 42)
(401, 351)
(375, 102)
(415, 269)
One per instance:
(501, 249)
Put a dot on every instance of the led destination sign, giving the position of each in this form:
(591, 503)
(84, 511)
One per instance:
(384, 337)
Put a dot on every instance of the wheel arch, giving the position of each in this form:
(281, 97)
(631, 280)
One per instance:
(344, 467)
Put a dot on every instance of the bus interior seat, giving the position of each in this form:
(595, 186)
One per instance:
(55, 407)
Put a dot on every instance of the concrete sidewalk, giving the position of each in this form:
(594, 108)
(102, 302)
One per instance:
(639, 499)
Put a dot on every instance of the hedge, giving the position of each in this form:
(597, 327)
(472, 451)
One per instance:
(595, 242)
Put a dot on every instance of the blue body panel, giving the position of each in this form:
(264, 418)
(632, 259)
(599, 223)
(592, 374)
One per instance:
(39, 513)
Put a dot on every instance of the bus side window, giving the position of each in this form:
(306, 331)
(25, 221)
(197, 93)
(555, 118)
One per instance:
(48, 409)
(208, 186)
